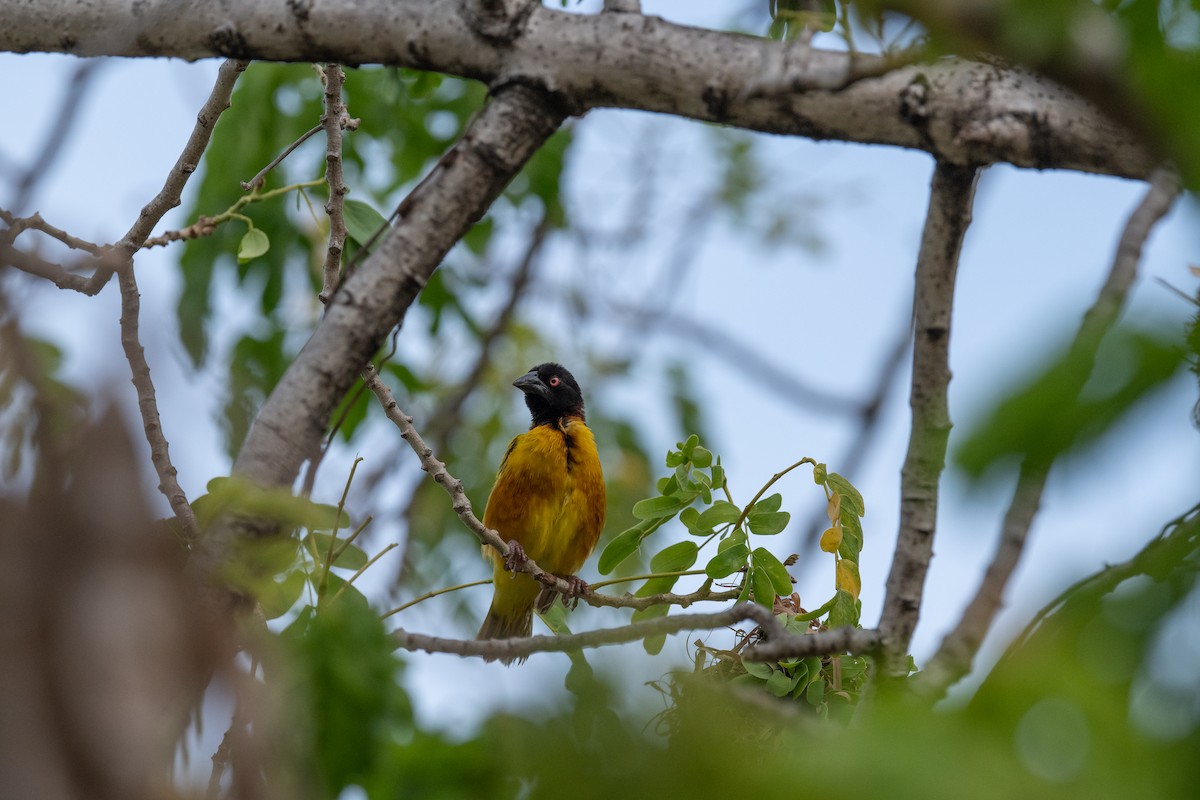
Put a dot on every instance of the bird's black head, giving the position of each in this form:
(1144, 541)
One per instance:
(551, 393)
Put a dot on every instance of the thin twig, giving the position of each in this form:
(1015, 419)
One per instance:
(38, 267)
(160, 455)
(35, 222)
(953, 659)
(168, 197)
(257, 181)
(525, 646)
(435, 593)
(332, 121)
(951, 193)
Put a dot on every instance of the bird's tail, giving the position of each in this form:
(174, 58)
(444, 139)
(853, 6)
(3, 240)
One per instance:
(503, 626)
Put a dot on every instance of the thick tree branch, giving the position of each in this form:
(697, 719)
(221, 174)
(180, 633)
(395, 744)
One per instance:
(963, 112)
(951, 194)
(953, 659)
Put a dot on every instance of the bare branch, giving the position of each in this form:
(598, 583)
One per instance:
(33, 264)
(55, 273)
(523, 647)
(160, 454)
(168, 197)
(951, 193)
(35, 222)
(857, 641)
(335, 110)
(960, 111)
(260, 178)
(958, 649)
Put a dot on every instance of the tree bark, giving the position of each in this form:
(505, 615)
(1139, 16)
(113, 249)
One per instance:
(963, 112)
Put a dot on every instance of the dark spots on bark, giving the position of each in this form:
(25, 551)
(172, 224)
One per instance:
(935, 334)
(229, 42)
(716, 102)
(68, 42)
(301, 9)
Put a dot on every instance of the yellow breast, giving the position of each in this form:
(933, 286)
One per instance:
(549, 495)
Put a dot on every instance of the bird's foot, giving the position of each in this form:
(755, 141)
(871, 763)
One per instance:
(516, 557)
(579, 588)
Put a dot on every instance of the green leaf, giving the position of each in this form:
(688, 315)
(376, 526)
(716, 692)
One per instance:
(352, 556)
(728, 561)
(254, 243)
(844, 611)
(764, 589)
(620, 548)
(758, 669)
(657, 507)
(702, 457)
(278, 504)
(690, 518)
(362, 221)
(652, 644)
(852, 534)
(737, 537)
(779, 684)
(276, 598)
(721, 512)
(675, 558)
(819, 474)
(718, 475)
(765, 561)
(690, 445)
(768, 504)
(849, 494)
(815, 693)
(768, 523)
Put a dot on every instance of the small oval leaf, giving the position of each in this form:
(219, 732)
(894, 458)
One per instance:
(675, 558)
(728, 561)
(254, 243)
(657, 507)
(620, 548)
(768, 523)
(831, 539)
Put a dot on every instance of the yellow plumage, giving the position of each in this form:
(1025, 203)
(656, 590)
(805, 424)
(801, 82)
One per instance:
(549, 497)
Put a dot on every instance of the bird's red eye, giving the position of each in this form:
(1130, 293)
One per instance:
(555, 381)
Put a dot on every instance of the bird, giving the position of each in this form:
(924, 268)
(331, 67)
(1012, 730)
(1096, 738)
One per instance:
(548, 502)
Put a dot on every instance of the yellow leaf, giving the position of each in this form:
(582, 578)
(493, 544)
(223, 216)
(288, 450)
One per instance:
(831, 539)
(834, 509)
(847, 577)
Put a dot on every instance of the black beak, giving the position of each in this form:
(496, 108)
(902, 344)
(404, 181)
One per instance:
(530, 383)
